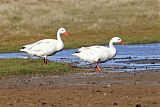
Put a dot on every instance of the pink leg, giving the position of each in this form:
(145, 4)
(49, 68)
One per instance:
(97, 67)
(45, 61)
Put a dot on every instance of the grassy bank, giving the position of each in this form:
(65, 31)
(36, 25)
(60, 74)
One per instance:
(32, 66)
(89, 22)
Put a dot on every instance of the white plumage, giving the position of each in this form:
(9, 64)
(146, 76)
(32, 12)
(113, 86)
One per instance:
(98, 54)
(46, 47)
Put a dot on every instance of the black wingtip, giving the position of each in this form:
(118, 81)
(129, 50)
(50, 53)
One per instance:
(76, 51)
(23, 47)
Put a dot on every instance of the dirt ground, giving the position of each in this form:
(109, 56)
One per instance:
(103, 89)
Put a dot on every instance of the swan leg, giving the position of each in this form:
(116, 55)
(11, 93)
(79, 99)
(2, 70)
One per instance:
(97, 67)
(45, 61)
(29, 56)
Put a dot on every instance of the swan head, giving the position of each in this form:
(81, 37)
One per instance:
(63, 31)
(117, 40)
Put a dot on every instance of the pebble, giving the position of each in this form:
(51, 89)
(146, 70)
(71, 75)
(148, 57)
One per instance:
(105, 94)
(108, 85)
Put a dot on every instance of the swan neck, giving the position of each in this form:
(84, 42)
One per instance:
(59, 37)
(112, 49)
(111, 44)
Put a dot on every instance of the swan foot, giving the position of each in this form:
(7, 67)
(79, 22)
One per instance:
(97, 67)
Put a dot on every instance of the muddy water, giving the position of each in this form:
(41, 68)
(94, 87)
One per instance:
(128, 58)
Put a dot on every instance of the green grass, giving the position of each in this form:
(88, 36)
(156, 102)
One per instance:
(33, 66)
(90, 22)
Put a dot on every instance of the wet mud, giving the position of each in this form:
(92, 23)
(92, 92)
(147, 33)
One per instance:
(90, 89)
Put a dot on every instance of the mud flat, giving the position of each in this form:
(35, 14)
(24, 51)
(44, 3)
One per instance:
(103, 89)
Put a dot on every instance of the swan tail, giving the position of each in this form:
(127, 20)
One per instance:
(23, 50)
(29, 51)
(75, 54)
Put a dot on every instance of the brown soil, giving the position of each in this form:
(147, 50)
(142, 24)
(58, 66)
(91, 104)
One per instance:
(104, 89)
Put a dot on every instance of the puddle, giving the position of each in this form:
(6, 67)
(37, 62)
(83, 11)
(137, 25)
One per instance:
(128, 58)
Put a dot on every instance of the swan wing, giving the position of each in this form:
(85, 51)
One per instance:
(42, 47)
(44, 41)
(94, 54)
(89, 48)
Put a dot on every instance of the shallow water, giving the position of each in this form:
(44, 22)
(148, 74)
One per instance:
(125, 60)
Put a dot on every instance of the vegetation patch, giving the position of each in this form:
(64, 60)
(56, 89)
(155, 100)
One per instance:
(33, 66)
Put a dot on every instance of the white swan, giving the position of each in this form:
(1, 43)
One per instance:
(98, 54)
(46, 47)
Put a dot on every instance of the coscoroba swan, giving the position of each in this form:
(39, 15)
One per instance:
(46, 47)
(98, 54)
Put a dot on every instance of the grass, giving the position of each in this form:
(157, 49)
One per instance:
(32, 66)
(89, 22)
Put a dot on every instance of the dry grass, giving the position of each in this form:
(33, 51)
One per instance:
(88, 21)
